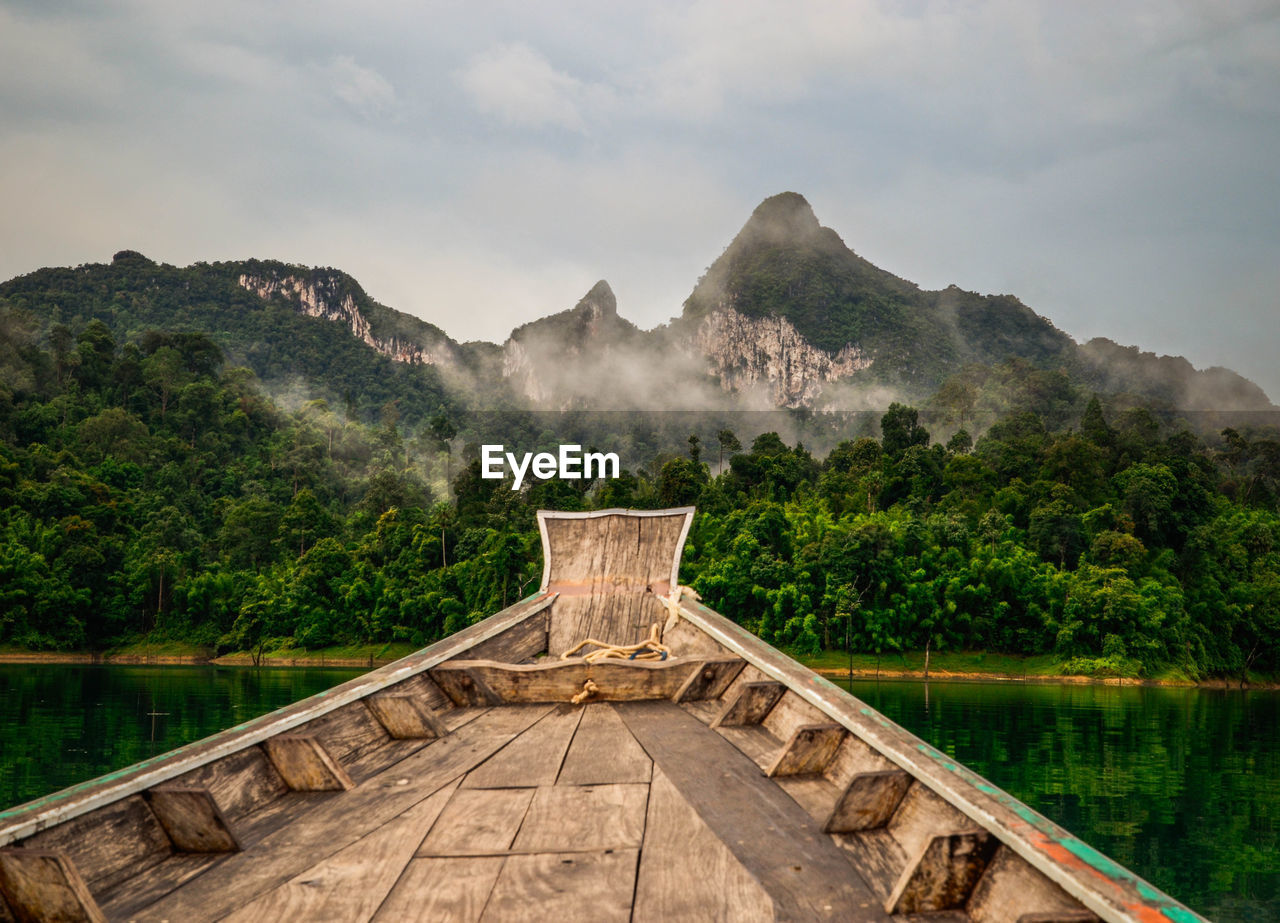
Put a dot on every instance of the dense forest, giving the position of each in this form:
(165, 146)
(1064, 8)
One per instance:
(148, 489)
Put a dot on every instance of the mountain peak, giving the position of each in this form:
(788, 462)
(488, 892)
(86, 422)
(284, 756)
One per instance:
(600, 300)
(786, 216)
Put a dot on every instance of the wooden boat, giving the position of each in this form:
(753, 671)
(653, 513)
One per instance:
(481, 778)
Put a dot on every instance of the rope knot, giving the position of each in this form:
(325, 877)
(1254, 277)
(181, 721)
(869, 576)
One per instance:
(589, 688)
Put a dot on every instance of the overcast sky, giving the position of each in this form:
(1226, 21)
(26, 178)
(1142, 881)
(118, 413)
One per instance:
(1114, 164)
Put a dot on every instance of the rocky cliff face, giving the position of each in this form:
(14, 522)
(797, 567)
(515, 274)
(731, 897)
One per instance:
(323, 297)
(747, 352)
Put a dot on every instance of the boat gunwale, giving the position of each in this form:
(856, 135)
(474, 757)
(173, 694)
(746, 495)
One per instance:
(25, 820)
(1077, 868)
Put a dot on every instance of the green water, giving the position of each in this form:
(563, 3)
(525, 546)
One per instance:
(1180, 785)
(64, 723)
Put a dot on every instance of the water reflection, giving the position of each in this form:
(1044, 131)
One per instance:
(65, 723)
(1180, 785)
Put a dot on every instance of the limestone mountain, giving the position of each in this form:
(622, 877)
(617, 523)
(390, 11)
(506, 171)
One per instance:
(787, 316)
(305, 332)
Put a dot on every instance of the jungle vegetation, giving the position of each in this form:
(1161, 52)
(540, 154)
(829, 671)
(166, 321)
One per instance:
(146, 488)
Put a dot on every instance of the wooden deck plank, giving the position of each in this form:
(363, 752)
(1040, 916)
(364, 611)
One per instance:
(533, 758)
(578, 817)
(686, 872)
(478, 822)
(122, 902)
(440, 888)
(568, 888)
(351, 883)
(604, 751)
(753, 817)
(341, 820)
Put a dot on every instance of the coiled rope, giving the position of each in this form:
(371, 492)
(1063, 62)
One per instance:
(651, 648)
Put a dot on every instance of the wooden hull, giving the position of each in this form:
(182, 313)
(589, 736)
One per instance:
(481, 778)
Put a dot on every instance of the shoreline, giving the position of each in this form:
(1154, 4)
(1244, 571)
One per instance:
(172, 660)
(952, 676)
(371, 662)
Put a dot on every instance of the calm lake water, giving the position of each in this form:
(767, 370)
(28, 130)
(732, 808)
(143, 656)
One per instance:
(1180, 785)
(64, 723)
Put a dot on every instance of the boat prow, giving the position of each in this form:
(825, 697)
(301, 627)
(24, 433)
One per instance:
(687, 772)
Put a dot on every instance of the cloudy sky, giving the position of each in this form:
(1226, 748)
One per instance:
(1114, 164)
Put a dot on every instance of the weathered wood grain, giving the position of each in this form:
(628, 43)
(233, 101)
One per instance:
(517, 644)
(240, 783)
(808, 751)
(1095, 881)
(876, 856)
(813, 793)
(854, 757)
(705, 711)
(464, 687)
(603, 751)
(750, 705)
(132, 894)
(24, 821)
(405, 716)
(440, 888)
(755, 743)
(192, 819)
(686, 872)
(1012, 890)
(351, 883)
(424, 687)
(578, 817)
(752, 816)
(39, 886)
(478, 822)
(868, 801)
(944, 873)
(347, 733)
(568, 888)
(532, 759)
(921, 816)
(561, 680)
(610, 571)
(380, 760)
(114, 843)
(711, 679)
(691, 641)
(305, 764)
(339, 821)
(791, 712)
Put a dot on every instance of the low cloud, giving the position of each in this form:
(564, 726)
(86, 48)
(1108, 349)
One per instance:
(363, 89)
(519, 87)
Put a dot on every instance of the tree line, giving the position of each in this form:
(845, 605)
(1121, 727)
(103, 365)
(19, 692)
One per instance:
(148, 489)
